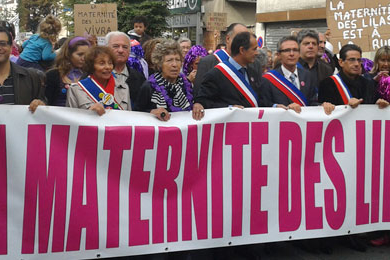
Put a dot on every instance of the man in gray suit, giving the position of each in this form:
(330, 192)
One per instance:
(208, 62)
(289, 86)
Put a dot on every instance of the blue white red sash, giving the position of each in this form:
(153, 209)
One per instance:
(288, 88)
(221, 55)
(98, 94)
(239, 81)
(342, 88)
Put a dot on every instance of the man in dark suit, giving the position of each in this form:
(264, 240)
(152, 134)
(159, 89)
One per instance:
(349, 86)
(232, 83)
(288, 86)
(119, 42)
(208, 62)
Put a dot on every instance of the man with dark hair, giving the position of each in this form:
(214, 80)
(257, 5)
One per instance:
(208, 62)
(140, 24)
(348, 87)
(232, 82)
(18, 85)
(309, 42)
(289, 86)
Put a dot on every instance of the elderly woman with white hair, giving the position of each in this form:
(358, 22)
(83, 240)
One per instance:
(167, 90)
(185, 45)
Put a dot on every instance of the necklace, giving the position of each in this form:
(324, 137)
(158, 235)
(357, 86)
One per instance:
(167, 98)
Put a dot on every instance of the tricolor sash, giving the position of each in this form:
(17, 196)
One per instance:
(239, 81)
(342, 88)
(98, 94)
(288, 88)
(221, 55)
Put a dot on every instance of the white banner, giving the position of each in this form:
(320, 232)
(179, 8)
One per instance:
(75, 185)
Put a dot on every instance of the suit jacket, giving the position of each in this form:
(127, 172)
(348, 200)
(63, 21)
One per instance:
(217, 90)
(271, 95)
(359, 88)
(134, 81)
(28, 84)
(208, 62)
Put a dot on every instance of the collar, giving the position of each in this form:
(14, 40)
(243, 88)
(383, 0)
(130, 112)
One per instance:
(235, 64)
(306, 65)
(124, 72)
(287, 73)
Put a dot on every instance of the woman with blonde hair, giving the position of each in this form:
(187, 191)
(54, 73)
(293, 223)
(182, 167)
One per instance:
(39, 47)
(67, 70)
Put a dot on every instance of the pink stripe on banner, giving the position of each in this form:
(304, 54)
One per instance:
(3, 192)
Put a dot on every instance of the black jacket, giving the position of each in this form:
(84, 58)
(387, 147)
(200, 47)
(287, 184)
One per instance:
(217, 91)
(28, 84)
(359, 88)
(271, 95)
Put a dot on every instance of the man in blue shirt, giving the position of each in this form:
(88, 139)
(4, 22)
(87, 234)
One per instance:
(232, 83)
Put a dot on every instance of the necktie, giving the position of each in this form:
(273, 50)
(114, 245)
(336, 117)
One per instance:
(243, 72)
(292, 79)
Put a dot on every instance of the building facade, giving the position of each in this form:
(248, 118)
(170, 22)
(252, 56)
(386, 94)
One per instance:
(205, 21)
(278, 18)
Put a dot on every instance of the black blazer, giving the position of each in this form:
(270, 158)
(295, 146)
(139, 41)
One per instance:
(217, 91)
(207, 63)
(134, 81)
(271, 95)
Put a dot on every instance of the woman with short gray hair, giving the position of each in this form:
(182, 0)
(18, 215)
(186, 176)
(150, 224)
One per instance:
(167, 90)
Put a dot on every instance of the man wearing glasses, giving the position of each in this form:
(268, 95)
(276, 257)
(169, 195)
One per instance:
(348, 87)
(289, 86)
(18, 85)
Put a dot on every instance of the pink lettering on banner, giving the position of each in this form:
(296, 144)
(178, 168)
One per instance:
(139, 183)
(290, 135)
(312, 176)
(116, 140)
(335, 218)
(3, 191)
(195, 183)
(169, 147)
(237, 135)
(217, 182)
(84, 216)
(258, 218)
(362, 208)
(38, 179)
(376, 170)
(386, 175)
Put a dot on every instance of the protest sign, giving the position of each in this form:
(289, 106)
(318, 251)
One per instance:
(362, 22)
(95, 19)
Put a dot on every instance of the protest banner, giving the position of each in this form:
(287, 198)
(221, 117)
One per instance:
(364, 23)
(95, 19)
(75, 185)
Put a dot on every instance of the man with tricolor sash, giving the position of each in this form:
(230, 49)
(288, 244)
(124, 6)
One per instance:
(232, 82)
(349, 87)
(289, 86)
(208, 62)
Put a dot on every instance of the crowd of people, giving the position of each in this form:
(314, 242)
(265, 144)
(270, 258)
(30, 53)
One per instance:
(134, 71)
(137, 72)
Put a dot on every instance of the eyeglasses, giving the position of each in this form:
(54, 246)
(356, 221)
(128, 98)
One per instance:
(353, 60)
(289, 50)
(4, 44)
